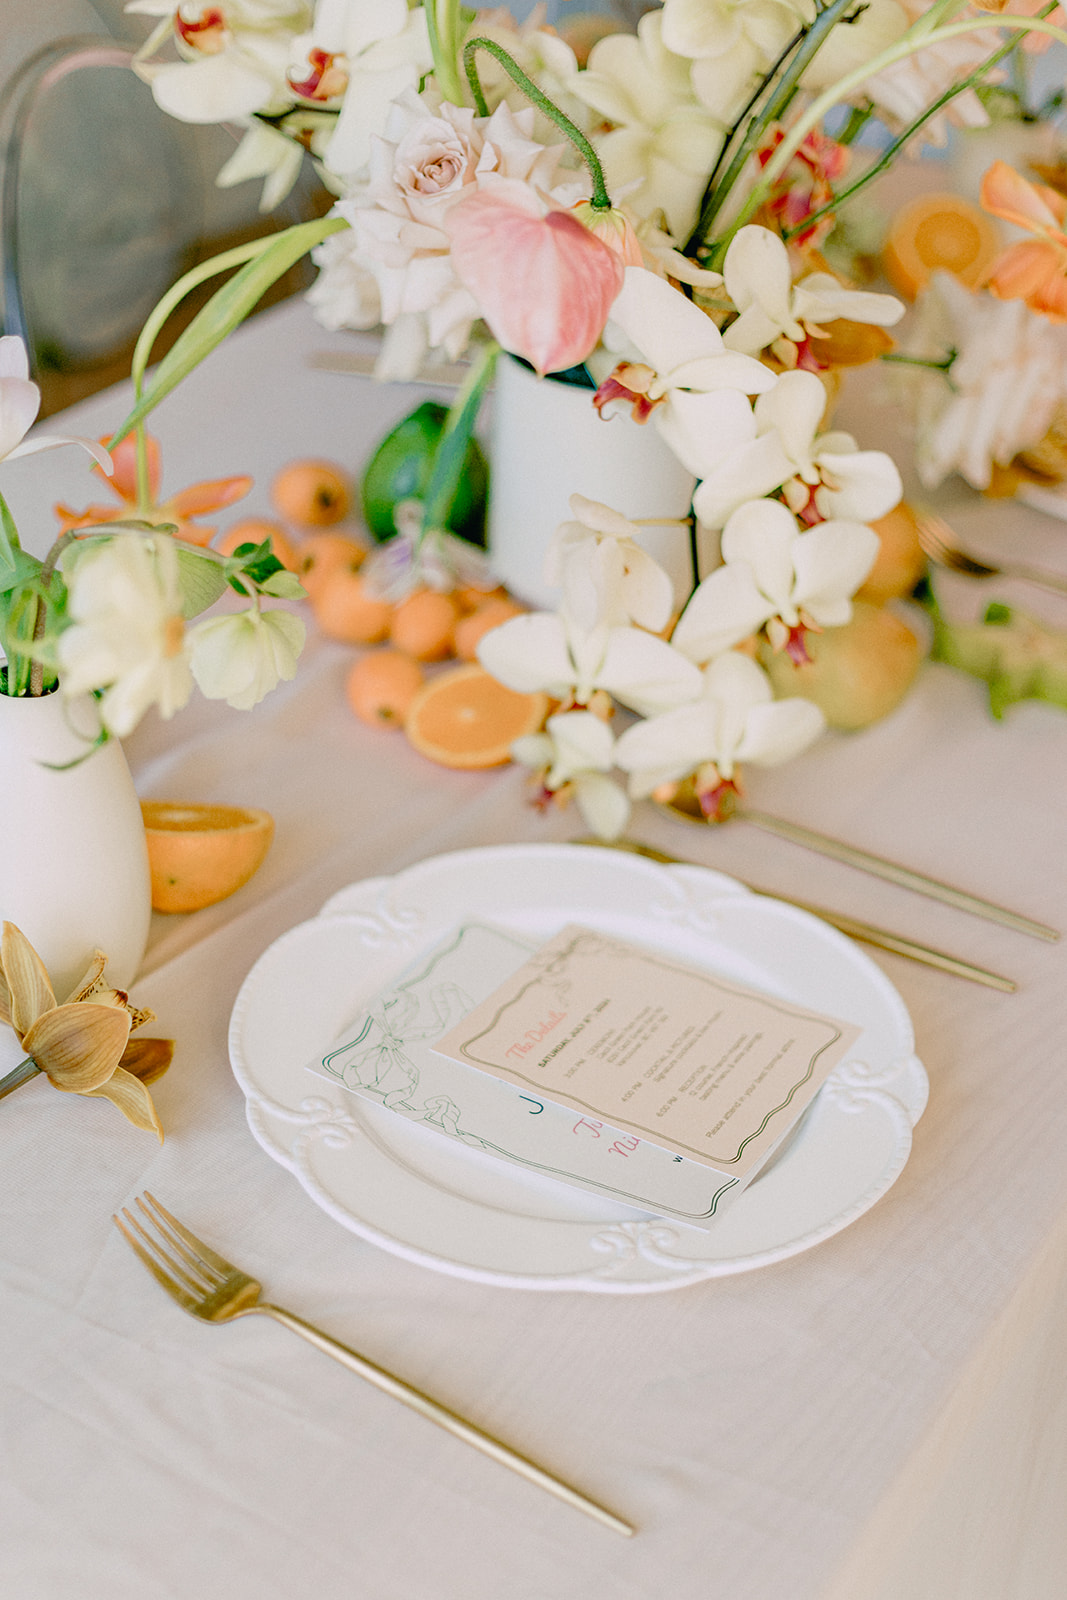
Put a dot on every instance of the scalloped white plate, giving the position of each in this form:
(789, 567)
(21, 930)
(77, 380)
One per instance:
(438, 1203)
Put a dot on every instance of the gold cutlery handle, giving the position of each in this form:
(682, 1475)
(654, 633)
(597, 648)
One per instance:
(434, 1412)
(893, 872)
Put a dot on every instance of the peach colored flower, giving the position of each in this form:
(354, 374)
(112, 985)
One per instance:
(196, 501)
(1034, 270)
(543, 282)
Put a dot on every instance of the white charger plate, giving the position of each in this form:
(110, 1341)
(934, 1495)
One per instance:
(436, 1202)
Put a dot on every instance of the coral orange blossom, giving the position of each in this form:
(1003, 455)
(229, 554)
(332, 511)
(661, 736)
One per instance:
(196, 501)
(1034, 270)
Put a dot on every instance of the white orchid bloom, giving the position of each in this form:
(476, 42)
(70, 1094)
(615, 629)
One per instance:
(235, 56)
(128, 635)
(574, 755)
(546, 650)
(663, 142)
(693, 388)
(20, 401)
(735, 720)
(776, 575)
(264, 153)
(730, 43)
(820, 475)
(242, 656)
(759, 281)
(618, 577)
(385, 49)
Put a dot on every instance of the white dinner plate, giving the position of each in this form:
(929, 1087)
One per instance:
(436, 1202)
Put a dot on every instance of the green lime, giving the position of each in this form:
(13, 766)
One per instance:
(400, 470)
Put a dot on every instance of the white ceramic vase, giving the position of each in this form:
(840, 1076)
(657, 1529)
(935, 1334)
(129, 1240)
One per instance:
(73, 860)
(547, 443)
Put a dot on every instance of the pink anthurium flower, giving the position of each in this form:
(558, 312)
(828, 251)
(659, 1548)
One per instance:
(543, 282)
(1034, 270)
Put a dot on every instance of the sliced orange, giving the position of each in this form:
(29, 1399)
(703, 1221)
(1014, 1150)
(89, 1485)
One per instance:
(199, 854)
(939, 231)
(465, 718)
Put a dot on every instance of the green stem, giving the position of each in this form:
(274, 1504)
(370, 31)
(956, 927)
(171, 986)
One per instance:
(601, 200)
(813, 41)
(886, 159)
(943, 366)
(443, 46)
(908, 45)
(451, 451)
(23, 1073)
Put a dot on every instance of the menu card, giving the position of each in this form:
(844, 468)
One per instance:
(714, 1073)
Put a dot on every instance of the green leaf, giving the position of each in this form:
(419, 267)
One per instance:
(22, 569)
(284, 586)
(202, 580)
(451, 451)
(226, 310)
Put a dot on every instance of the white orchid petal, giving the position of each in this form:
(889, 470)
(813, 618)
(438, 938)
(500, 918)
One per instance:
(734, 679)
(534, 750)
(763, 533)
(646, 674)
(730, 370)
(748, 472)
(831, 561)
(757, 271)
(820, 298)
(704, 430)
(752, 331)
(528, 653)
(602, 519)
(667, 328)
(726, 608)
(777, 732)
(14, 361)
(20, 401)
(605, 808)
(666, 748)
(647, 591)
(217, 88)
(794, 409)
(867, 485)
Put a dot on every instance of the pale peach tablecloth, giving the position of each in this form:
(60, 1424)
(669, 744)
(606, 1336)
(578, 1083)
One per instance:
(882, 1417)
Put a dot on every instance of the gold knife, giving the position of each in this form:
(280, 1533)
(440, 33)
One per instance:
(866, 932)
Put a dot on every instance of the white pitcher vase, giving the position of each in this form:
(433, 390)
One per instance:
(73, 859)
(546, 443)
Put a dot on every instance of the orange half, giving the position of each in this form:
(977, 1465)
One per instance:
(466, 718)
(939, 231)
(199, 854)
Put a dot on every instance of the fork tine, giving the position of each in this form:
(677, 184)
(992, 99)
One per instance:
(161, 1250)
(162, 1277)
(214, 1266)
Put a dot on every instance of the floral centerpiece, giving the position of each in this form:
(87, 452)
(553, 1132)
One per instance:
(651, 214)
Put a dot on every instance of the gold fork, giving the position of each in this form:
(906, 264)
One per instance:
(938, 542)
(208, 1287)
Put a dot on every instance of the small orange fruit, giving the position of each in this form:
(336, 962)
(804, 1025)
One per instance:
(939, 231)
(313, 494)
(344, 610)
(422, 625)
(466, 718)
(199, 854)
(470, 630)
(469, 597)
(253, 530)
(323, 554)
(900, 562)
(381, 686)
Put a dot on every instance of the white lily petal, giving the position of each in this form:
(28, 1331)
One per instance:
(726, 608)
(53, 441)
(20, 401)
(528, 653)
(645, 673)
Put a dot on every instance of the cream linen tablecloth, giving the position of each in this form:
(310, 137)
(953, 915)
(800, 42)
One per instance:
(884, 1416)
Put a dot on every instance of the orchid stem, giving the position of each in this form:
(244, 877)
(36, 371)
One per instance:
(601, 200)
(23, 1073)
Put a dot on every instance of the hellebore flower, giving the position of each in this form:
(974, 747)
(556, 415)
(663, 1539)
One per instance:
(694, 389)
(242, 656)
(777, 575)
(82, 1046)
(543, 282)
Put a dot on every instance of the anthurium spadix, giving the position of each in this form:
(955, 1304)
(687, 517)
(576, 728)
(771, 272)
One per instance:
(776, 575)
(574, 756)
(820, 475)
(735, 720)
(759, 280)
(681, 375)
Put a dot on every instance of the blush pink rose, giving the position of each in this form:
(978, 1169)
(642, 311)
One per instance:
(542, 282)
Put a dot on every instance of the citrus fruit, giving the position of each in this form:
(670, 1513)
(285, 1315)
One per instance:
(400, 470)
(253, 530)
(939, 231)
(345, 610)
(470, 630)
(322, 554)
(313, 494)
(422, 625)
(198, 854)
(381, 685)
(466, 718)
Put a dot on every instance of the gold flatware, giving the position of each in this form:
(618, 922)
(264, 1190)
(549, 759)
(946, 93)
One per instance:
(878, 867)
(865, 932)
(938, 543)
(213, 1289)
